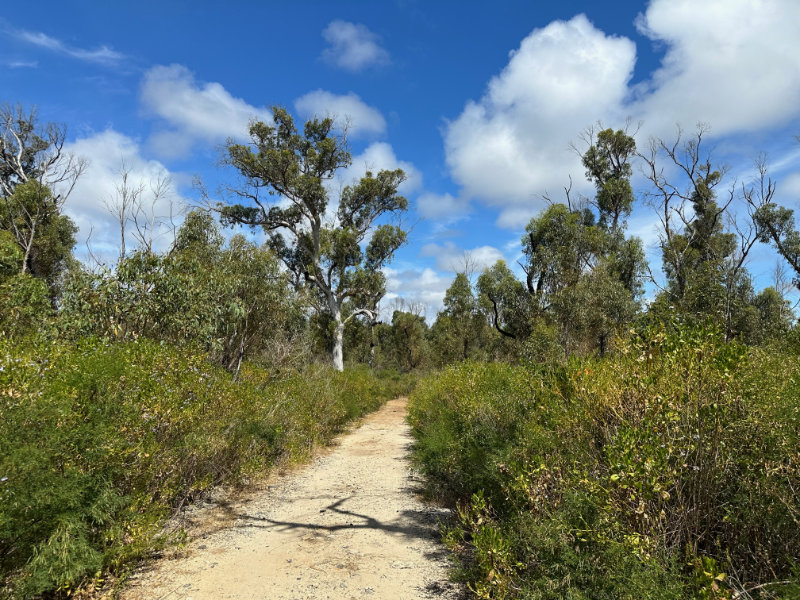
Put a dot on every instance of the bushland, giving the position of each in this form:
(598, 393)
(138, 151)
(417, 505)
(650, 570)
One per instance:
(100, 442)
(670, 470)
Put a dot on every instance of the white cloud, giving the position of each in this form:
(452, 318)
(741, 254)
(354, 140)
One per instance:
(193, 111)
(352, 46)
(103, 54)
(106, 153)
(22, 64)
(379, 156)
(346, 109)
(512, 145)
(451, 258)
(789, 188)
(442, 207)
(415, 287)
(732, 63)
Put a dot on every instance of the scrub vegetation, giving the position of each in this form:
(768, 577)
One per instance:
(668, 471)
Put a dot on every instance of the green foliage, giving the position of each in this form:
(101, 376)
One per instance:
(45, 236)
(344, 279)
(232, 302)
(11, 256)
(460, 331)
(582, 273)
(505, 301)
(668, 471)
(607, 164)
(100, 442)
(25, 305)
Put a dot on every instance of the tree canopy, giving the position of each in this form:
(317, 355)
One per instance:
(338, 253)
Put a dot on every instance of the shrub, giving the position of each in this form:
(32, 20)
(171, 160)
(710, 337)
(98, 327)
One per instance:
(668, 471)
(100, 442)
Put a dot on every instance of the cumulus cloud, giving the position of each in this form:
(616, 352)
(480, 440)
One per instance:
(454, 259)
(347, 109)
(103, 54)
(732, 63)
(415, 288)
(192, 111)
(352, 46)
(379, 156)
(106, 153)
(513, 144)
(442, 207)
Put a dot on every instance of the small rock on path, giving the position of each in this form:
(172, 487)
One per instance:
(349, 525)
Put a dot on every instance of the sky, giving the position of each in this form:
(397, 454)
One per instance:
(479, 102)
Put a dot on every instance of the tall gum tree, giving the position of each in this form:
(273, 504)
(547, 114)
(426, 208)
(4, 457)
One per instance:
(339, 255)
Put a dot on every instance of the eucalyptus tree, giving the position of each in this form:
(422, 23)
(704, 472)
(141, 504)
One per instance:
(505, 300)
(339, 253)
(608, 166)
(460, 331)
(704, 247)
(582, 272)
(36, 176)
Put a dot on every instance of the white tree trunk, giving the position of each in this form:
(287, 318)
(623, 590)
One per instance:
(338, 343)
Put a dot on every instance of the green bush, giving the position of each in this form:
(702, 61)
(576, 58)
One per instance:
(100, 442)
(668, 471)
(25, 305)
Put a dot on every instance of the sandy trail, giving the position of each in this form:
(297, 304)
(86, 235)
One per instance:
(349, 525)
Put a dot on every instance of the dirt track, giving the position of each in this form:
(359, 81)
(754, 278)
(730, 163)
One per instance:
(349, 525)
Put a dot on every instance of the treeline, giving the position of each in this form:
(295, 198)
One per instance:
(315, 287)
(584, 277)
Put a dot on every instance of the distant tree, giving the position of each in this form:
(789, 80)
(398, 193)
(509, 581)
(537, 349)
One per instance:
(340, 260)
(460, 330)
(505, 301)
(608, 166)
(136, 205)
(582, 273)
(559, 246)
(703, 260)
(36, 176)
(408, 340)
(774, 315)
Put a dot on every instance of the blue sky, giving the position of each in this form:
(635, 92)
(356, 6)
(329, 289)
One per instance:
(478, 101)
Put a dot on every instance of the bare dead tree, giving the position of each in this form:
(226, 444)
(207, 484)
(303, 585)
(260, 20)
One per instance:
(466, 264)
(146, 216)
(122, 204)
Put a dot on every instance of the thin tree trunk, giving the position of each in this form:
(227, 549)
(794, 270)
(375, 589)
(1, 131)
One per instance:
(338, 343)
(371, 345)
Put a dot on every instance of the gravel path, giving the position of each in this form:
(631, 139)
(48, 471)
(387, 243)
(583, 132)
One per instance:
(349, 525)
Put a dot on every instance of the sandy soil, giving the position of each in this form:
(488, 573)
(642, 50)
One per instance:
(349, 525)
